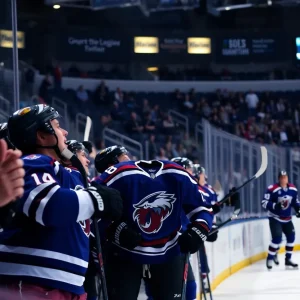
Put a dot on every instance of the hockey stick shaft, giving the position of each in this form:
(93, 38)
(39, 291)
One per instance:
(201, 280)
(87, 130)
(185, 275)
(262, 169)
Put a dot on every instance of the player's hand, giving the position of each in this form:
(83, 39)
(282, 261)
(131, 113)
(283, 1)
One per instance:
(107, 202)
(235, 198)
(213, 237)
(11, 174)
(120, 233)
(277, 206)
(298, 213)
(216, 208)
(192, 239)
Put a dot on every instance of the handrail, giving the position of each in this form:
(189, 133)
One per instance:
(117, 138)
(180, 119)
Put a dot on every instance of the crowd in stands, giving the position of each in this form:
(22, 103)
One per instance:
(267, 118)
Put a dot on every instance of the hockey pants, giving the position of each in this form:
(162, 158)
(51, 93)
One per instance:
(124, 278)
(277, 228)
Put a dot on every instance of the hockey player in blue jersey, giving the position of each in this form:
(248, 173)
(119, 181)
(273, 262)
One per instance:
(154, 193)
(45, 251)
(279, 200)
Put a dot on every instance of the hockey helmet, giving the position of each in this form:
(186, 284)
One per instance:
(75, 146)
(108, 156)
(198, 169)
(88, 146)
(282, 173)
(24, 124)
(183, 161)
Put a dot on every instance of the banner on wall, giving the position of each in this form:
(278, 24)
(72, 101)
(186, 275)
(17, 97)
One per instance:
(93, 47)
(6, 39)
(244, 49)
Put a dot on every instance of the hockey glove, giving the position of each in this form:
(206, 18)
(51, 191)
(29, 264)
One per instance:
(121, 234)
(216, 208)
(298, 213)
(213, 237)
(107, 202)
(235, 198)
(277, 206)
(192, 239)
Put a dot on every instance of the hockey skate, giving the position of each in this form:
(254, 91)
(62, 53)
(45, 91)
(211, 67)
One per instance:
(290, 265)
(275, 259)
(269, 264)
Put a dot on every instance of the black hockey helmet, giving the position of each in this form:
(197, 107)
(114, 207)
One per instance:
(183, 161)
(4, 135)
(198, 169)
(88, 146)
(75, 146)
(282, 173)
(24, 124)
(108, 156)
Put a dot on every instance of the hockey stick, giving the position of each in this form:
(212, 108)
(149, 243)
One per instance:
(261, 170)
(185, 275)
(88, 127)
(201, 286)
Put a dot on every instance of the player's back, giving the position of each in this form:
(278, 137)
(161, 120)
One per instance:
(154, 195)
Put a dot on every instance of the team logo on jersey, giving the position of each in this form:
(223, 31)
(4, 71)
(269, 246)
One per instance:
(153, 210)
(285, 201)
(86, 227)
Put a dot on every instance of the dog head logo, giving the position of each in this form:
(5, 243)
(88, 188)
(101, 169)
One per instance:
(152, 210)
(285, 201)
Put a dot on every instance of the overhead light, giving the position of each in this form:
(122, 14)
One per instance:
(152, 69)
(227, 8)
(269, 2)
(56, 6)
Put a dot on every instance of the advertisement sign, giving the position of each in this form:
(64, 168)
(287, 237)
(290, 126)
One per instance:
(93, 47)
(173, 45)
(245, 49)
(6, 39)
(146, 44)
(199, 45)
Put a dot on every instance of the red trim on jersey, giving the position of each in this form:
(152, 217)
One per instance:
(159, 242)
(274, 187)
(120, 170)
(173, 166)
(291, 185)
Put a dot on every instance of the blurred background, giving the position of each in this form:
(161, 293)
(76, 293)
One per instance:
(211, 80)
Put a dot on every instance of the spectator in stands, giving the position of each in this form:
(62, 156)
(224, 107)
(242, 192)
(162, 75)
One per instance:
(29, 81)
(156, 114)
(101, 95)
(149, 125)
(252, 102)
(168, 125)
(119, 95)
(45, 85)
(131, 103)
(187, 103)
(135, 127)
(152, 150)
(146, 109)
(117, 113)
(57, 74)
(82, 94)
(162, 155)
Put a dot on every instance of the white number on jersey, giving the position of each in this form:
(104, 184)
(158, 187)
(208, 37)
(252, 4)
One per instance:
(111, 170)
(46, 178)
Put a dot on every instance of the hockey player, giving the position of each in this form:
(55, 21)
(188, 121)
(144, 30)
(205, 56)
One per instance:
(44, 253)
(278, 201)
(154, 193)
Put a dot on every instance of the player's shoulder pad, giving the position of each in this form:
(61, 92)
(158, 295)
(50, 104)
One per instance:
(292, 187)
(37, 160)
(203, 190)
(273, 188)
(211, 189)
(167, 164)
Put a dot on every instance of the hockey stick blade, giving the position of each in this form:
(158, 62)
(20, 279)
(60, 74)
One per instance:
(88, 127)
(261, 170)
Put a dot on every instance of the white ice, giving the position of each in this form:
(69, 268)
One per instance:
(257, 283)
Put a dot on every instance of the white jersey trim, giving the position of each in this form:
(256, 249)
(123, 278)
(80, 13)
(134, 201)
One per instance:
(126, 173)
(86, 206)
(198, 209)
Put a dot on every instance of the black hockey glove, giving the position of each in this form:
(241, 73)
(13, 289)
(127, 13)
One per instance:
(235, 198)
(213, 237)
(277, 206)
(107, 202)
(216, 208)
(122, 234)
(192, 239)
(298, 213)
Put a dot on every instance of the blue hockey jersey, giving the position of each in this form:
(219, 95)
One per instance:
(154, 194)
(288, 197)
(213, 195)
(48, 243)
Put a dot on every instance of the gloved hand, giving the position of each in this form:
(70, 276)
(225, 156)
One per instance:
(277, 206)
(107, 202)
(235, 198)
(298, 213)
(120, 233)
(216, 208)
(192, 239)
(213, 237)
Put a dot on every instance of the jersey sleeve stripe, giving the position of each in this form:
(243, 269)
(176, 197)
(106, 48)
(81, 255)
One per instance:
(120, 170)
(198, 209)
(86, 207)
(43, 203)
(178, 171)
(32, 195)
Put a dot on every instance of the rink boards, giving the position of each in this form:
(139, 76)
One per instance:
(238, 245)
